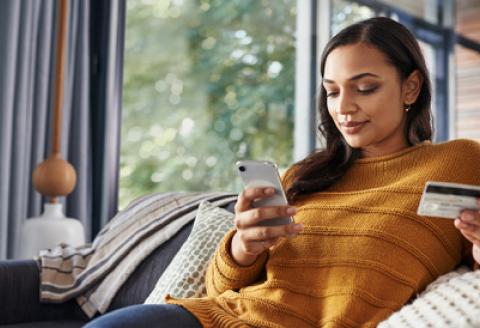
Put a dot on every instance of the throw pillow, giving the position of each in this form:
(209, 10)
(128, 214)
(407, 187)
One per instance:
(185, 275)
(450, 301)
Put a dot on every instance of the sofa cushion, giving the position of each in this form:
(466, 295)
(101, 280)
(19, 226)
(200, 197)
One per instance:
(142, 281)
(19, 302)
(452, 300)
(184, 277)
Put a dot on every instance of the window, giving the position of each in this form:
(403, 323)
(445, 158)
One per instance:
(467, 103)
(206, 83)
(454, 72)
(467, 70)
(348, 12)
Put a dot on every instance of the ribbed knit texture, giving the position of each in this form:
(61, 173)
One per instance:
(362, 254)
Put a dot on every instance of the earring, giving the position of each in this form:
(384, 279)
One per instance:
(407, 107)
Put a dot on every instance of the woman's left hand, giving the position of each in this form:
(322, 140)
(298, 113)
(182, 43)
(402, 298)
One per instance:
(469, 225)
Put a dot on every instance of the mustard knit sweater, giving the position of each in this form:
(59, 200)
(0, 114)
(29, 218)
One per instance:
(362, 254)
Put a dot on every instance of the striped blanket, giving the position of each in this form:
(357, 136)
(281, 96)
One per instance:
(95, 272)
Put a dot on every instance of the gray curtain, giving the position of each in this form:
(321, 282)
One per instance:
(91, 114)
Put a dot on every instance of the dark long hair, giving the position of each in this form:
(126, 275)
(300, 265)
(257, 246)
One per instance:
(322, 168)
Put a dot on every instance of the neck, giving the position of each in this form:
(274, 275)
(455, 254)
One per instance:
(383, 149)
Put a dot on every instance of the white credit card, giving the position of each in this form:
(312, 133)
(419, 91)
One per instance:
(447, 200)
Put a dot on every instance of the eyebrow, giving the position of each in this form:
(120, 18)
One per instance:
(353, 78)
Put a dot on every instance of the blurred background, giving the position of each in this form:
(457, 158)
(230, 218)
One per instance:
(209, 82)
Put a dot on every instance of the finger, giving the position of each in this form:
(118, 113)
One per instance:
(470, 217)
(265, 244)
(270, 243)
(460, 224)
(473, 233)
(248, 195)
(257, 247)
(257, 234)
(472, 238)
(253, 217)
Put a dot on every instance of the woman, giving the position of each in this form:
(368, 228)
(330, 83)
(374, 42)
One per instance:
(358, 251)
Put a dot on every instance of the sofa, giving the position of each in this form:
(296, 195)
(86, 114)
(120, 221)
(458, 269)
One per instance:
(19, 288)
(450, 301)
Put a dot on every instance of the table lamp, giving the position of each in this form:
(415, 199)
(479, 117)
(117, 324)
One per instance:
(54, 177)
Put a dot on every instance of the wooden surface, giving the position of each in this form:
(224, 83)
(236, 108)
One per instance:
(56, 177)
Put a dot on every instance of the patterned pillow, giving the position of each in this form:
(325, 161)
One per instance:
(184, 276)
(453, 300)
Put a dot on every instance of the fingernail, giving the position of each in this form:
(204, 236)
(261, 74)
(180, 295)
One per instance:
(269, 191)
(291, 210)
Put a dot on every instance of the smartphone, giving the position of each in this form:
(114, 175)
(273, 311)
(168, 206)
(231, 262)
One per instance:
(264, 174)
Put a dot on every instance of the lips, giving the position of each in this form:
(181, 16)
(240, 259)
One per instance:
(352, 127)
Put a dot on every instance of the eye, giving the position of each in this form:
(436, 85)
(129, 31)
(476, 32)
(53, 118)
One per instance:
(368, 90)
(331, 94)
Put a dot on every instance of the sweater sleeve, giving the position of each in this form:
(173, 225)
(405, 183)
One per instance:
(224, 273)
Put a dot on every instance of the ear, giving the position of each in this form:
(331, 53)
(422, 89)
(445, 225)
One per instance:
(411, 87)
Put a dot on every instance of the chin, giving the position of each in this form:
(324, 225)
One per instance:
(355, 142)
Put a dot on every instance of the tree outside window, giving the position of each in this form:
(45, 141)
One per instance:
(206, 83)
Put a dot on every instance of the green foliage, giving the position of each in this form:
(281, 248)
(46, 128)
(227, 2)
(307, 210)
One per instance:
(347, 12)
(206, 83)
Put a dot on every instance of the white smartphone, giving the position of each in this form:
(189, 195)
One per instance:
(264, 174)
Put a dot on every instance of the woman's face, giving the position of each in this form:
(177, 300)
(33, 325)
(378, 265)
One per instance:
(366, 98)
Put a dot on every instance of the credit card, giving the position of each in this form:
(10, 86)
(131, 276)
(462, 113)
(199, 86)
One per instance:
(447, 200)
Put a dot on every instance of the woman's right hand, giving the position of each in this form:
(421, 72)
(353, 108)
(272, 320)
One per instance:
(250, 239)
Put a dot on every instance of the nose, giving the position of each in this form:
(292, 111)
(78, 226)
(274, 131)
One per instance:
(345, 104)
